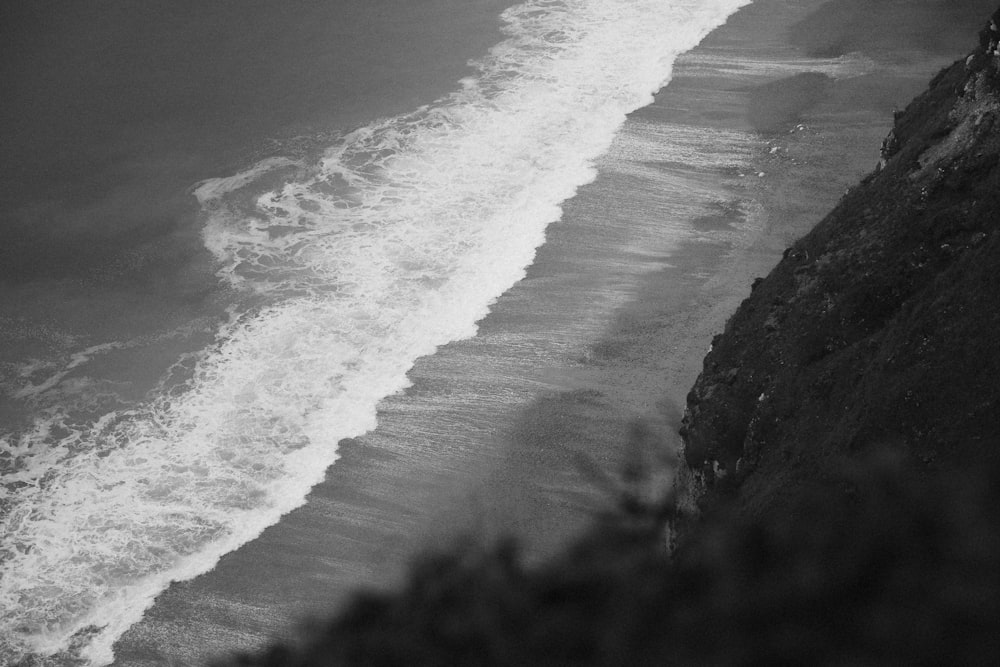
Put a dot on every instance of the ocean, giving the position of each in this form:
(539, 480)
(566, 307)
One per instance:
(232, 229)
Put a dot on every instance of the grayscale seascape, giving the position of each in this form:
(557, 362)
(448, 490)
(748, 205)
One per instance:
(291, 292)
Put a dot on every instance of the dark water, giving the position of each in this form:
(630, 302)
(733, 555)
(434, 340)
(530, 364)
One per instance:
(114, 470)
(112, 110)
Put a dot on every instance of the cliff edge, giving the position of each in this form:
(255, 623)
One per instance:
(880, 329)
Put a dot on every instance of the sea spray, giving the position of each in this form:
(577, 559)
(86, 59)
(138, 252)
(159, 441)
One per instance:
(393, 243)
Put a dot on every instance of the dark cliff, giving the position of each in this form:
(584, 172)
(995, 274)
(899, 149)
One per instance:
(880, 329)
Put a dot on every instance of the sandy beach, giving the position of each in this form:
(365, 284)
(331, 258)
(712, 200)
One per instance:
(753, 140)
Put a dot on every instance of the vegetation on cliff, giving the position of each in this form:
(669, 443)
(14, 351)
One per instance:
(878, 329)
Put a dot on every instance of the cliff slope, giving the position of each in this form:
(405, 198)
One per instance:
(880, 329)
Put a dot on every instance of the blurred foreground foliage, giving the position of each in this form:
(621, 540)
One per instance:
(876, 565)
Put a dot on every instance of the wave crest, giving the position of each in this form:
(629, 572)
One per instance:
(393, 243)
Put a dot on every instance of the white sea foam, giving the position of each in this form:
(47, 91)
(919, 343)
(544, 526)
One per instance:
(76, 359)
(213, 188)
(647, 144)
(394, 243)
(847, 66)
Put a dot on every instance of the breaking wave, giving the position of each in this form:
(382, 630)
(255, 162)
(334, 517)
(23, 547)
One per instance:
(391, 244)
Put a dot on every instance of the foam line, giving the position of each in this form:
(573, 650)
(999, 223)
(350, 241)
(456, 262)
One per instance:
(394, 243)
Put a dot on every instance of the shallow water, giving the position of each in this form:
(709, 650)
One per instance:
(343, 258)
(113, 112)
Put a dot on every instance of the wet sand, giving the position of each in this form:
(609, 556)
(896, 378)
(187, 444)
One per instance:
(701, 193)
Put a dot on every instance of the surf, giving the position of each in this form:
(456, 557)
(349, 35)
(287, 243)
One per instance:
(351, 266)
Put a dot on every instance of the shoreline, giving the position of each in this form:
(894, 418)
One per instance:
(586, 396)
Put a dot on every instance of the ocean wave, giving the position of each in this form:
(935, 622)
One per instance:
(394, 242)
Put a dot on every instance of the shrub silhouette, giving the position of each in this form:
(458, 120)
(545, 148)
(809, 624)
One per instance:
(875, 566)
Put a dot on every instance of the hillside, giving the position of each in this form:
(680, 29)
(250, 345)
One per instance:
(878, 330)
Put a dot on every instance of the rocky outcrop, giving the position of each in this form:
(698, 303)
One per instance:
(880, 329)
